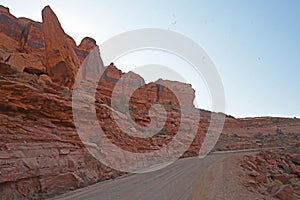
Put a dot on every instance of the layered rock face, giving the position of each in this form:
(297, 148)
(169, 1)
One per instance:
(260, 132)
(41, 48)
(161, 91)
(41, 153)
(62, 62)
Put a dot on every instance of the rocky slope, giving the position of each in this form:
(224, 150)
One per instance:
(259, 132)
(41, 153)
(275, 174)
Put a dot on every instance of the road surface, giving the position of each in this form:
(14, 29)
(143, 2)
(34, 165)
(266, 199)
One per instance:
(212, 177)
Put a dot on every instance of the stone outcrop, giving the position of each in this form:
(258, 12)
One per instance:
(40, 151)
(41, 154)
(41, 47)
(274, 173)
(260, 132)
(62, 62)
(22, 43)
(161, 91)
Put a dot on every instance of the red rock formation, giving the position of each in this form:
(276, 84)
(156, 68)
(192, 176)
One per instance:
(87, 44)
(4, 9)
(41, 48)
(62, 62)
(274, 173)
(158, 92)
(40, 151)
(247, 133)
(11, 30)
(92, 66)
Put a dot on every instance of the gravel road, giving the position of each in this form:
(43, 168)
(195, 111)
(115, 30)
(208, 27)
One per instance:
(214, 177)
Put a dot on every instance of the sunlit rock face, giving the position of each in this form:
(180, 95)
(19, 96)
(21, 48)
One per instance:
(41, 153)
(42, 47)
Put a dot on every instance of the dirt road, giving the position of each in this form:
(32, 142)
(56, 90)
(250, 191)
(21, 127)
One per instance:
(214, 177)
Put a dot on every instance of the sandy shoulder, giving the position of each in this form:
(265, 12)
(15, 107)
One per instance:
(224, 180)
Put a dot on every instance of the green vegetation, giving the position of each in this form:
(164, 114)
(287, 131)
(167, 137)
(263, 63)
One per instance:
(163, 131)
(132, 108)
(17, 73)
(295, 182)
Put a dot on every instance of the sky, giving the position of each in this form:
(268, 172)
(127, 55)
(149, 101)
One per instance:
(254, 44)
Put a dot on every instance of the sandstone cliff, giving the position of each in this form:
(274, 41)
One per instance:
(41, 153)
(41, 48)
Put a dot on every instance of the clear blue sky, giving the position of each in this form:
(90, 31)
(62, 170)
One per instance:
(254, 44)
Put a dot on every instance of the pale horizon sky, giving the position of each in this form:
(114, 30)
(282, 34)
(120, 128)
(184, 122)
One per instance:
(255, 45)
